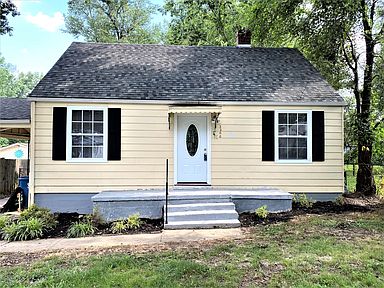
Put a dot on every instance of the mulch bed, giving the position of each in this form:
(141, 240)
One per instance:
(246, 219)
(66, 219)
(250, 219)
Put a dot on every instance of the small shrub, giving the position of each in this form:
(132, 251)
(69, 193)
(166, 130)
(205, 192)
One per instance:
(340, 200)
(133, 221)
(262, 212)
(10, 232)
(80, 229)
(4, 220)
(380, 188)
(26, 229)
(44, 214)
(95, 218)
(303, 201)
(119, 226)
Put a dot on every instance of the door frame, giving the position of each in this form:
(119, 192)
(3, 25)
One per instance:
(175, 145)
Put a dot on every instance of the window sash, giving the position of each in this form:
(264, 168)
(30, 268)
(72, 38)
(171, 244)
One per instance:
(88, 150)
(294, 153)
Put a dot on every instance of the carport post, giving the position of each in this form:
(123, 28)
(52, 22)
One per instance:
(166, 191)
(28, 158)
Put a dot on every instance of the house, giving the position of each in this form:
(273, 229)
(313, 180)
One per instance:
(17, 151)
(261, 123)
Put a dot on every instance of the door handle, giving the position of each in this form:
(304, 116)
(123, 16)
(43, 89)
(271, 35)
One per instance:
(205, 156)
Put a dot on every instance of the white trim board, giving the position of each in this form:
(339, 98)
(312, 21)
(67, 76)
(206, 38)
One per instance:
(16, 121)
(173, 102)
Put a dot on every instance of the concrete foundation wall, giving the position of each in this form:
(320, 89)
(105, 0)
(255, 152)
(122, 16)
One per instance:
(323, 196)
(250, 205)
(111, 211)
(66, 202)
(153, 209)
(114, 209)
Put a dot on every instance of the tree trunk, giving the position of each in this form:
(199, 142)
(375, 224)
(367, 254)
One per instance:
(365, 182)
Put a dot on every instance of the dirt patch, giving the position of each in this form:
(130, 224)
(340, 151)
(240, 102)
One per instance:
(27, 259)
(66, 219)
(261, 276)
(15, 259)
(319, 208)
(356, 200)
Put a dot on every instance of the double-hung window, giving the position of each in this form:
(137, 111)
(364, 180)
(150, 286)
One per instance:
(293, 132)
(86, 134)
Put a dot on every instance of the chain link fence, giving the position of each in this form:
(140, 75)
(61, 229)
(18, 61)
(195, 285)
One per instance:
(351, 172)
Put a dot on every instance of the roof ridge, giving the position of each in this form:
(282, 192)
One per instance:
(180, 46)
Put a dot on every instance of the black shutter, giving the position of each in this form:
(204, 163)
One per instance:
(114, 134)
(268, 136)
(59, 133)
(318, 141)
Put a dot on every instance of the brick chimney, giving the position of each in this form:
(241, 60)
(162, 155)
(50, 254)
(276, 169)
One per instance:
(243, 38)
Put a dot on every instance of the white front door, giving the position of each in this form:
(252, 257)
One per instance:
(192, 148)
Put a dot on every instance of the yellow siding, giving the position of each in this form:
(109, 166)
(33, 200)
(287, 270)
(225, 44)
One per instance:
(147, 142)
(236, 156)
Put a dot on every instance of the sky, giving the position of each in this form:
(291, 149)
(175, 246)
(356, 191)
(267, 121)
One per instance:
(37, 39)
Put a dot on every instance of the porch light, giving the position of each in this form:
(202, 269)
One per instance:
(216, 125)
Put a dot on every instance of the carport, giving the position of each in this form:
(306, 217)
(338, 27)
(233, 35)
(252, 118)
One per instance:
(15, 118)
(15, 123)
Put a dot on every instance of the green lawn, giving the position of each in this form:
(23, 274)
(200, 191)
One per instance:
(311, 251)
(378, 171)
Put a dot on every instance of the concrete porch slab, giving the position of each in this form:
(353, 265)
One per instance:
(193, 194)
(114, 205)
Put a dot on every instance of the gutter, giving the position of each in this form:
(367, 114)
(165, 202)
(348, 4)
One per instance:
(202, 103)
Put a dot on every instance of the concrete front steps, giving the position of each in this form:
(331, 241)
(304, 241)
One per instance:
(202, 215)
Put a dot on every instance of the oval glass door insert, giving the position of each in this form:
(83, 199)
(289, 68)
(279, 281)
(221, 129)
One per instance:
(192, 140)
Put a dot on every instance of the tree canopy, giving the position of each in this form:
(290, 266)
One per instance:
(112, 21)
(6, 8)
(204, 22)
(16, 84)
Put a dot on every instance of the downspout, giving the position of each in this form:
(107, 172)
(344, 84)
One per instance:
(28, 152)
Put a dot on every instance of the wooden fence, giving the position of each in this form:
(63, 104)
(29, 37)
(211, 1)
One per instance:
(8, 176)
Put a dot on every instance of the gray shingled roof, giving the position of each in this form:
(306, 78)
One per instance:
(184, 74)
(15, 109)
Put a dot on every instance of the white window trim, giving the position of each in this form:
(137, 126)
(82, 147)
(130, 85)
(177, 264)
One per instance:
(69, 135)
(309, 137)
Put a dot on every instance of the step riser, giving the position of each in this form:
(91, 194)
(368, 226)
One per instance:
(203, 217)
(201, 226)
(194, 201)
(199, 208)
(200, 214)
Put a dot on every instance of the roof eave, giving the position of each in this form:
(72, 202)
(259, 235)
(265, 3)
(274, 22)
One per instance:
(189, 102)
